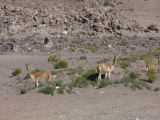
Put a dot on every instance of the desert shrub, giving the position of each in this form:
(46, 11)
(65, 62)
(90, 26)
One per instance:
(117, 82)
(146, 30)
(83, 58)
(61, 90)
(124, 62)
(69, 87)
(104, 83)
(153, 27)
(151, 73)
(91, 46)
(61, 64)
(131, 80)
(139, 56)
(75, 71)
(145, 56)
(78, 70)
(155, 51)
(71, 49)
(82, 80)
(52, 87)
(53, 58)
(133, 75)
(71, 71)
(123, 43)
(24, 90)
(134, 56)
(16, 72)
(47, 89)
(157, 89)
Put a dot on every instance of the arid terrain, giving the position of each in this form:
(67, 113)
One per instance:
(83, 33)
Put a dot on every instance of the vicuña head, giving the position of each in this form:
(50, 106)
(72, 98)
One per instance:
(107, 68)
(36, 76)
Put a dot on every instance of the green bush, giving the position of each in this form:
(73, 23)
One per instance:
(153, 27)
(91, 46)
(131, 80)
(83, 58)
(24, 90)
(124, 62)
(52, 58)
(61, 90)
(157, 89)
(82, 80)
(145, 56)
(16, 72)
(51, 87)
(123, 43)
(151, 73)
(104, 83)
(146, 30)
(61, 64)
(47, 89)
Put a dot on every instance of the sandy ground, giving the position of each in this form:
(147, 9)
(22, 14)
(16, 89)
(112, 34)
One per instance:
(110, 103)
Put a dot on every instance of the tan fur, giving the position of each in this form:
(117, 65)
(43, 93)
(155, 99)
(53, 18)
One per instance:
(107, 68)
(153, 64)
(36, 76)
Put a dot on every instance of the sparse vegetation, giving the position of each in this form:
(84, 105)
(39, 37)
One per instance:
(123, 43)
(47, 89)
(146, 30)
(52, 87)
(131, 80)
(104, 83)
(157, 89)
(153, 27)
(61, 64)
(145, 56)
(53, 58)
(124, 62)
(71, 49)
(151, 73)
(91, 46)
(16, 72)
(83, 58)
(73, 71)
(24, 90)
(82, 80)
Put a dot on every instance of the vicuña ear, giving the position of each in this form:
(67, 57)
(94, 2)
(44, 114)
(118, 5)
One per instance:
(26, 66)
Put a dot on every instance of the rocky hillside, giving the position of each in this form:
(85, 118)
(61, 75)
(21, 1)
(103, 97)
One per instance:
(29, 24)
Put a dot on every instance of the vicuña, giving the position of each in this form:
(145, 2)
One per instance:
(107, 68)
(40, 75)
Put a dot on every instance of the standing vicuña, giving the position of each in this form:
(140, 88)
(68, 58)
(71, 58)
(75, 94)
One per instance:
(107, 68)
(36, 76)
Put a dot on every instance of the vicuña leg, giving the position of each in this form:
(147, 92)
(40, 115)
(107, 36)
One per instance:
(109, 75)
(37, 83)
(99, 78)
(106, 74)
